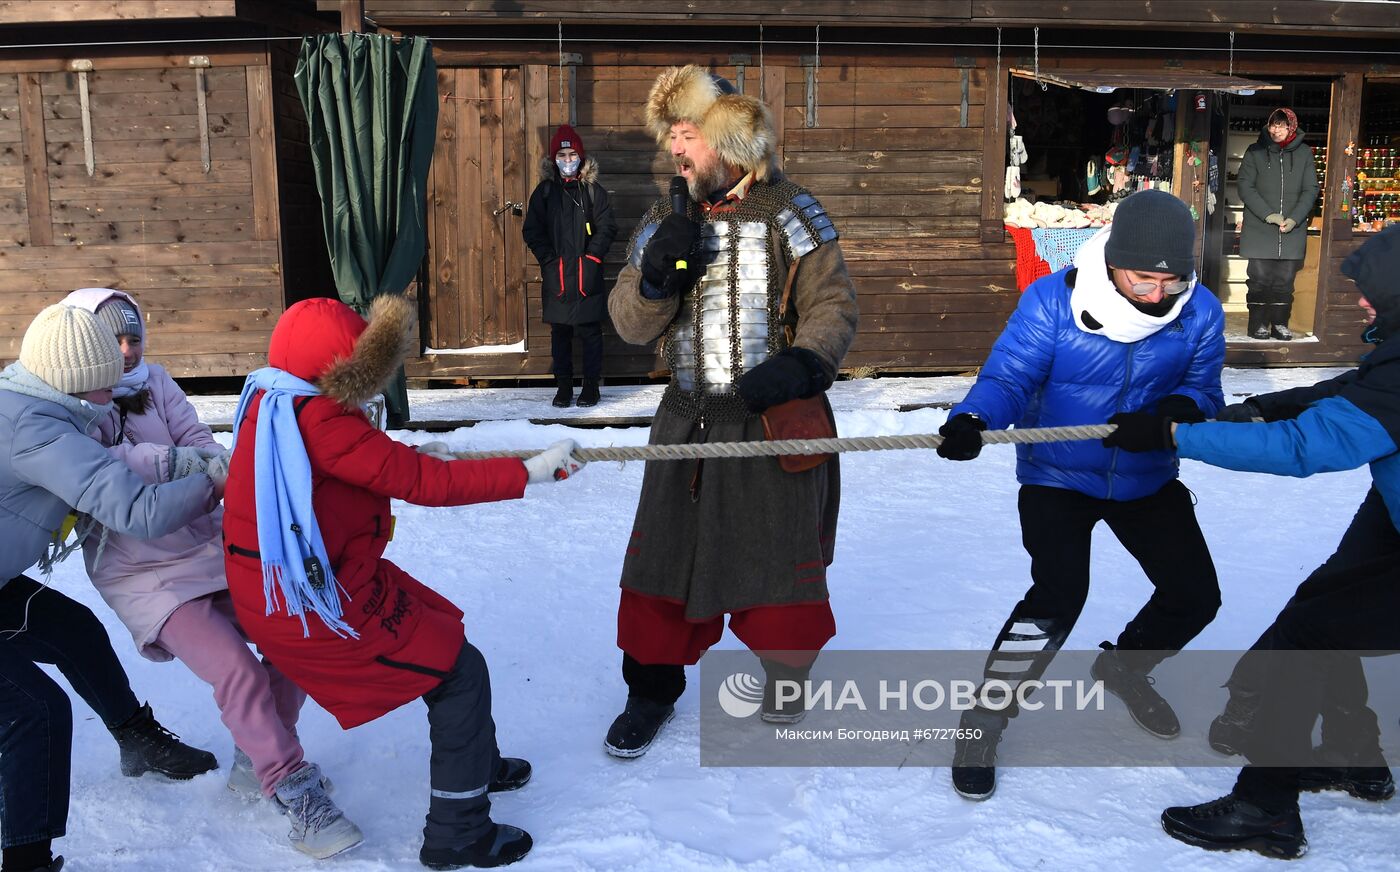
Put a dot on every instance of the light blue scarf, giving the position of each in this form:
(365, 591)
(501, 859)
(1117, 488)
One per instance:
(289, 539)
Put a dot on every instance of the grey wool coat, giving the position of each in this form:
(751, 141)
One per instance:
(724, 536)
(1282, 180)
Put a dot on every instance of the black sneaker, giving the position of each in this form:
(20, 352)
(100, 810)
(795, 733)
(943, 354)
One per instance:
(1230, 824)
(502, 845)
(636, 728)
(1230, 731)
(588, 396)
(146, 746)
(1371, 783)
(975, 754)
(513, 774)
(1134, 688)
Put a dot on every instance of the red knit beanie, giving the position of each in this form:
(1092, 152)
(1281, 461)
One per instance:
(566, 137)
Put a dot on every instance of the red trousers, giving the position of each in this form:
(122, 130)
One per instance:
(656, 631)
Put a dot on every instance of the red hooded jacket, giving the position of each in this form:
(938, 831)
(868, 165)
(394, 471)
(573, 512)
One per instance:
(409, 635)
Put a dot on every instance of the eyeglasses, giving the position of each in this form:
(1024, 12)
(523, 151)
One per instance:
(1172, 288)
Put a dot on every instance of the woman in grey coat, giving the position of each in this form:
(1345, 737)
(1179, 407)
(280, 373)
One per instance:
(68, 364)
(1278, 184)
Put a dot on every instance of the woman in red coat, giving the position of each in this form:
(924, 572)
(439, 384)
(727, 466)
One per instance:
(310, 584)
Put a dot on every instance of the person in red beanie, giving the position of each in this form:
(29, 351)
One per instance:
(306, 523)
(569, 226)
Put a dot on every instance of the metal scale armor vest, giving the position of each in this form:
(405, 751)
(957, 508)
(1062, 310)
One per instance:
(728, 320)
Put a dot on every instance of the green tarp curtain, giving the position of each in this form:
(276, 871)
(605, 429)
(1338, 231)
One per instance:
(371, 108)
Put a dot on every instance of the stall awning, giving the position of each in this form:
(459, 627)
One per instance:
(1106, 81)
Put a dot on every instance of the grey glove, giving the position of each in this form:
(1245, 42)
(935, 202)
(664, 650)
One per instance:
(183, 462)
(1287, 225)
(217, 469)
(440, 450)
(1274, 218)
(555, 463)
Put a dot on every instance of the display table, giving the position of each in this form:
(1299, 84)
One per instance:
(1041, 251)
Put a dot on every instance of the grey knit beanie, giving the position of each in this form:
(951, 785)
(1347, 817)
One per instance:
(70, 351)
(120, 317)
(1152, 231)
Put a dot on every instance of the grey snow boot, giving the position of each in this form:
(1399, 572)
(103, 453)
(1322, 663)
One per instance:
(243, 780)
(319, 828)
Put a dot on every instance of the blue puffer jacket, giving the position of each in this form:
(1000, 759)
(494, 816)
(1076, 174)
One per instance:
(1045, 371)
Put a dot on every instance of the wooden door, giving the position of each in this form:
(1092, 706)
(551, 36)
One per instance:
(476, 197)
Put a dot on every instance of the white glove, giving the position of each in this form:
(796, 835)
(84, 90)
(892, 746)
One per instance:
(555, 463)
(1287, 225)
(436, 449)
(1274, 218)
(183, 462)
(217, 469)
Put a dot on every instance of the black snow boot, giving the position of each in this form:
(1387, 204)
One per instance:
(513, 774)
(1129, 682)
(1230, 732)
(1231, 823)
(790, 711)
(636, 728)
(1371, 783)
(975, 754)
(146, 746)
(500, 846)
(1258, 321)
(32, 857)
(1279, 313)
(565, 395)
(589, 395)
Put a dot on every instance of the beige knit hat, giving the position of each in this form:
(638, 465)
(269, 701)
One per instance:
(71, 351)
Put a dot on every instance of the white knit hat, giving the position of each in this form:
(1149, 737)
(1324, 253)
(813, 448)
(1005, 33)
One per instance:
(69, 350)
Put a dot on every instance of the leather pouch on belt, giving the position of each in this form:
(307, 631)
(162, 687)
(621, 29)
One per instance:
(800, 419)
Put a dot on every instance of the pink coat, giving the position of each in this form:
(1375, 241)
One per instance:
(144, 580)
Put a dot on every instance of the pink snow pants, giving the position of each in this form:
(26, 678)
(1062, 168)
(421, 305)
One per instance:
(258, 704)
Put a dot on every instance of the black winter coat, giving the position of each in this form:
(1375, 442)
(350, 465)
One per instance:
(569, 226)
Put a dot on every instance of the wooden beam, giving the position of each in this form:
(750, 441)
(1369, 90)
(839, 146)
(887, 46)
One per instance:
(36, 173)
(994, 141)
(263, 151)
(774, 90)
(86, 11)
(1343, 130)
(352, 16)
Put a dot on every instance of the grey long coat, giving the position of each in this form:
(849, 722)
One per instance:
(48, 463)
(1276, 180)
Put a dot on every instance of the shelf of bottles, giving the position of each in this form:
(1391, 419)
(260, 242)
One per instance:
(1377, 182)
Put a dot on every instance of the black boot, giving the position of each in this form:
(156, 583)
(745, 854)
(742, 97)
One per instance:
(1258, 321)
(1231, 823)
(1230, 731)
(565, 395)
(32, 857)
(589, 395)
(502, 845)
(146, 746)
(513, 774)
(790, 711)
(1279, 313)
(1371, 783)
(1129, 682)
(632, 733)
(975, 754)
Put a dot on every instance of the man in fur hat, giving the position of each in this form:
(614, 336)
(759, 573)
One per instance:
(745, 280)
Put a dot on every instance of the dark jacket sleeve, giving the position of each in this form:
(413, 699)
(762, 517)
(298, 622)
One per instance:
(1247, 185)
(604, 224)
(1307, 196)
(536, 228)
(1282, 405)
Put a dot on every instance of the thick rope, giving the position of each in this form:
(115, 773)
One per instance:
(693, 451)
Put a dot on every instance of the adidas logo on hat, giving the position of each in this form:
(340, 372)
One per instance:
(1161, 264)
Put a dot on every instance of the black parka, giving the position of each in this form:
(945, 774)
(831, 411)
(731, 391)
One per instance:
(569, 227)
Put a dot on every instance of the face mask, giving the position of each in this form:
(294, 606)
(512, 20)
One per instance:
(567, 168)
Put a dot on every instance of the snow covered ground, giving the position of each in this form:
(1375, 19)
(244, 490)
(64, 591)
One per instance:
(928, 556)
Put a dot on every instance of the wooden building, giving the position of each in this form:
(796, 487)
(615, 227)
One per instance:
(889, 110)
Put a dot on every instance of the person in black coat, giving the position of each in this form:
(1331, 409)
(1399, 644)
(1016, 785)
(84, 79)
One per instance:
(569, 227)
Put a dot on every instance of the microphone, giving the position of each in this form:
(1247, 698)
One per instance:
(680, 195)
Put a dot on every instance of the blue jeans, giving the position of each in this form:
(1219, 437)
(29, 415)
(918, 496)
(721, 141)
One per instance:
(36, 720)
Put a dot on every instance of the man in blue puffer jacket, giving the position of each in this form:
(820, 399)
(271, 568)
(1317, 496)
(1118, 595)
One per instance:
(1126, 328)
(1347, 605)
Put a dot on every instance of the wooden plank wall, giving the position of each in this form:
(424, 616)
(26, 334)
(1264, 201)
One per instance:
(200, 251)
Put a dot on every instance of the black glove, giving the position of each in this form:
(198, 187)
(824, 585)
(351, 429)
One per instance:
(674, 240)
(962, 437)
(790, 374)
(1140, 431)
(1181, 409)
(1240, 413)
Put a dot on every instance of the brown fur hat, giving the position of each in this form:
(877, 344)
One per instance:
(738, 127)
(387, 341)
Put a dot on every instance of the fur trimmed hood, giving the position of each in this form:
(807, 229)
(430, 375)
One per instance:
(326, 342)
(738, 127)
(587, 173)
